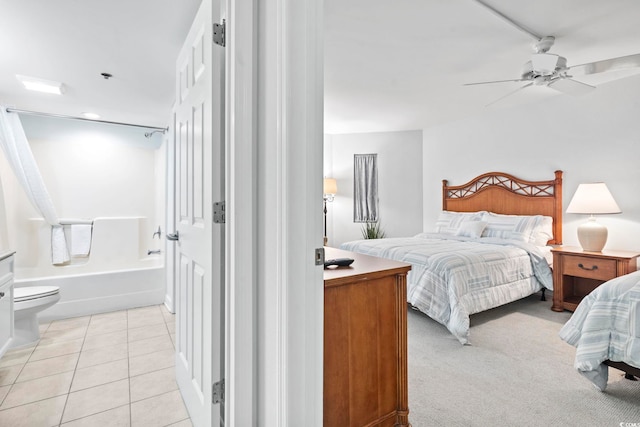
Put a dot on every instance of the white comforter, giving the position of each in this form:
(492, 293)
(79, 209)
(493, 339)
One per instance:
(606, 326)
(453, 277)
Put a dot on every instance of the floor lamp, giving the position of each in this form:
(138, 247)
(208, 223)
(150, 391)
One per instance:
(330, 189)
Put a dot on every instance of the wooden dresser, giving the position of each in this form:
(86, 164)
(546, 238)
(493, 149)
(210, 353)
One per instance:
(365, 342)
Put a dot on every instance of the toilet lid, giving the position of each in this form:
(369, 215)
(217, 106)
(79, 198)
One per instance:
(33, 292)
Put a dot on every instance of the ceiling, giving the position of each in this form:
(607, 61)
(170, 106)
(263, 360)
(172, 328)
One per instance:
(388, 65)
(400, 65)
(74, 41)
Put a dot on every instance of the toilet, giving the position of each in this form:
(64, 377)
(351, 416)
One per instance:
(27, 303)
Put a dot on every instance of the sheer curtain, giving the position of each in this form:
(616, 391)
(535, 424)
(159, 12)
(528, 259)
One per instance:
(365, 188)
(16, 148)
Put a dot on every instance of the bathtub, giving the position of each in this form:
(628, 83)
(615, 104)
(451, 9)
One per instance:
(118, 273)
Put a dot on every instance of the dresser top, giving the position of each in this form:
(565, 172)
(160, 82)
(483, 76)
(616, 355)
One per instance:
(6, 254)
(364, 266)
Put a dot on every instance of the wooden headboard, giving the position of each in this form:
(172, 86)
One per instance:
(505, 194)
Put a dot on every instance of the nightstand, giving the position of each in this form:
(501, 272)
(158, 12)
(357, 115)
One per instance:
(577, 272)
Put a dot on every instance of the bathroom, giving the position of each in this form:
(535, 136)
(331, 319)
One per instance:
(105, 82)
(111, 317)
(110, 177)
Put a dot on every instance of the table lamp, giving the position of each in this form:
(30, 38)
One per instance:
(593, 199)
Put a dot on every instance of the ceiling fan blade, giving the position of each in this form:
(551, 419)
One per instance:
(509, 94)
(495, 81)
(622, 62)
(571, 87)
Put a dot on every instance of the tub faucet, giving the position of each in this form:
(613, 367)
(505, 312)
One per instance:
(157, 252)
(158, 233)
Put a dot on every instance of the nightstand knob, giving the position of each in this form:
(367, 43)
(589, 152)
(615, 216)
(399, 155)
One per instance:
(595, 267)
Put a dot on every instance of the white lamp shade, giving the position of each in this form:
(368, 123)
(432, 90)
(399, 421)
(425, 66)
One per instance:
(330, 186)
(592, 199)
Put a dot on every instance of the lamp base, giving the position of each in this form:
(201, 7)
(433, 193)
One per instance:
(592, 235)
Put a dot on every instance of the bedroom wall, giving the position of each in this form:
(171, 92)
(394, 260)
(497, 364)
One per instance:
(399, 176)
(591, 138)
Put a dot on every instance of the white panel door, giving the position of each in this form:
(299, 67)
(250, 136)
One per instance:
(199, 171)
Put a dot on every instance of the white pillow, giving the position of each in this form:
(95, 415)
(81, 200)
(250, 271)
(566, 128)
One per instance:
(471, 229)
(513, 227)
(449, 222)
(543, 232)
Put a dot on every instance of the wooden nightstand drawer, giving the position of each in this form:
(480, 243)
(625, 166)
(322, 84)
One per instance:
(592, 268)
(576, 273)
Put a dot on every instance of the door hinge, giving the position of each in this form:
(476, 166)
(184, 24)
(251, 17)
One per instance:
(218, 392)
(219, 33)
(219, 215)
(319, 256)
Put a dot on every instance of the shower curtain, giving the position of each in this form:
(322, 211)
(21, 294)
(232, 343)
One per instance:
(16, 148)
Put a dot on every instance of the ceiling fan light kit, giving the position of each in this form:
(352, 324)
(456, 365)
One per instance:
(545, 64)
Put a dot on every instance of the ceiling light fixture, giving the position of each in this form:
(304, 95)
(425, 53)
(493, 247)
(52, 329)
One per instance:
(41, 85)
(91, 116)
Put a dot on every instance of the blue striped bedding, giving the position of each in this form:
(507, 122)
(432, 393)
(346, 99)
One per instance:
(453, 277)
(606, 326)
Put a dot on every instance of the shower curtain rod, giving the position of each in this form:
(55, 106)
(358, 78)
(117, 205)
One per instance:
(61, 116)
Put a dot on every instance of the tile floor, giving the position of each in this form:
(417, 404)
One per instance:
(111, 369)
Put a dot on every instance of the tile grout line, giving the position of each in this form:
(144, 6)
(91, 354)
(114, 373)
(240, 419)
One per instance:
(15, 380)
(73, 377)
(165, 322)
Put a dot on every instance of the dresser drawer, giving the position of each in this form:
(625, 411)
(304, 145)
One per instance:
(592, 268)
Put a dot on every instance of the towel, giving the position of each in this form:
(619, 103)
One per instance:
(59, 251)
(80, 239)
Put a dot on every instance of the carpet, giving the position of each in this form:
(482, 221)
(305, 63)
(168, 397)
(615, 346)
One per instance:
(516, 372)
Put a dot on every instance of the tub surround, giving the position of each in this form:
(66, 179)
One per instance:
(118, 274)
(117, 243)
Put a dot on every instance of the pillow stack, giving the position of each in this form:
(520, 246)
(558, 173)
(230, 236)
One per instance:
(534, 229)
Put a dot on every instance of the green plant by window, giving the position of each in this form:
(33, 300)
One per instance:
(372, 230)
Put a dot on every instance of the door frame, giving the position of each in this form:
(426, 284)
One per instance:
(170, 215)
(274, 290)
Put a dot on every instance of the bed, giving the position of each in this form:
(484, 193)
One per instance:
(488, 248)
(605, 329)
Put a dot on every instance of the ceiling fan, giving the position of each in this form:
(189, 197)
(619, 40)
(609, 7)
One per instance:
(548, 69)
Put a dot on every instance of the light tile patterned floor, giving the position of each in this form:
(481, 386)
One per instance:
(111, 369)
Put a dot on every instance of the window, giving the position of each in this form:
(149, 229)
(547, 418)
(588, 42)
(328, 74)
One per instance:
(365, 188)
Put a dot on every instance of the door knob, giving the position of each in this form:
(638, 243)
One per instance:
(175, 236)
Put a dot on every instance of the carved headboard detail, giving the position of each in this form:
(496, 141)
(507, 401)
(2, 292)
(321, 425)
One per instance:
(505, 194)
